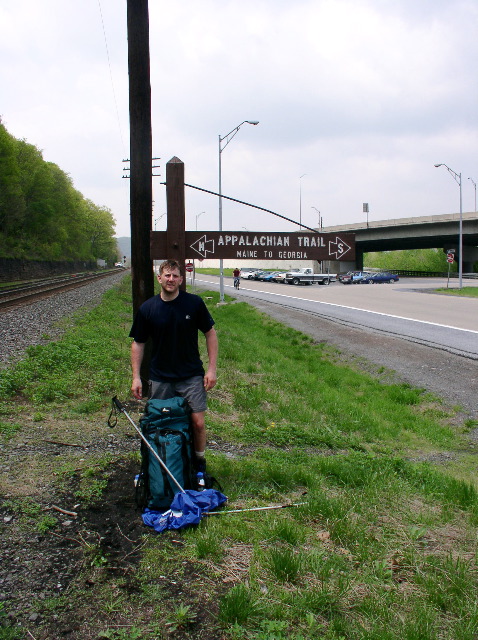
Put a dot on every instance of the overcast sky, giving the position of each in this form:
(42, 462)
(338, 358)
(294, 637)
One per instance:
(361, 96)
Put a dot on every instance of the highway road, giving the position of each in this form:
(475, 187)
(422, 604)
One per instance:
(408, 309)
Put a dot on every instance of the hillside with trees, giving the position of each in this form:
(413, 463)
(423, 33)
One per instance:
(42, 215)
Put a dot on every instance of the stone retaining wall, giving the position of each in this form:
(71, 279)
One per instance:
(12, 269)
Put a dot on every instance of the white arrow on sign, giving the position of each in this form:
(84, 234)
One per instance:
(203, 246)
(341, 248)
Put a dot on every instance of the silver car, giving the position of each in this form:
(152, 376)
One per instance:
(248, 274)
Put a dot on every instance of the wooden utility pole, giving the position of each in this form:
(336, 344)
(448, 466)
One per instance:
(141, 185)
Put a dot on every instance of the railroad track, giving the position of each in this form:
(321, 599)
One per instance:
(31, 292)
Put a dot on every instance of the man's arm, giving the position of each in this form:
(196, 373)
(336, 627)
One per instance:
(137, 353)
(210, 377)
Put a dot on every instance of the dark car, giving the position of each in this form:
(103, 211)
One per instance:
(352, 277)
(373, 278)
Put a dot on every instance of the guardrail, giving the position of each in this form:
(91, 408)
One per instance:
(422, 274)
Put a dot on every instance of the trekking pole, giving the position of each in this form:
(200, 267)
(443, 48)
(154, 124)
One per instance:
(121, 408)
(280, 506)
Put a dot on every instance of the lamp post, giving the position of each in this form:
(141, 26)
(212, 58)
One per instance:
(228, 137)
(457, 178)
(197, 216)
(194, 261)
(320, 217)
(300, 199)
(474, 184)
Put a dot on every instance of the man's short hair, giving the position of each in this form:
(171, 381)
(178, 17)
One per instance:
(170, 265)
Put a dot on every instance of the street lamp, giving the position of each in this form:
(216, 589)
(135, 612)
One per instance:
(457, 178)
(300, 199)
(228, 137)
(320, 218)
(474, 184)
(197, 216)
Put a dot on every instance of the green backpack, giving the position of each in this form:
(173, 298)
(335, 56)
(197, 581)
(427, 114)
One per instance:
(166, 426)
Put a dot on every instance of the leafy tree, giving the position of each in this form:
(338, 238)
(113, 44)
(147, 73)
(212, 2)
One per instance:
(100, 228)
(12, 202)
(42, 215)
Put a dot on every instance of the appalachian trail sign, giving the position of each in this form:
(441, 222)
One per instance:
(257, 245)
(182, 245)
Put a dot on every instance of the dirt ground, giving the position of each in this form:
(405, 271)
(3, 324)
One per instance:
(90, 548)
(37, 567)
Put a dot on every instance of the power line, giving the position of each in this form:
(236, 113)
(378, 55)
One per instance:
(111, 75)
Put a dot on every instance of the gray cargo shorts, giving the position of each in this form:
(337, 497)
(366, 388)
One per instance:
(191, 389)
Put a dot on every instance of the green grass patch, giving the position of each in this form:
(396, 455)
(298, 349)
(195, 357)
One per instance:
(468, 292)
(8, 429)
(85, 365)
(210, 271)
(284, 390)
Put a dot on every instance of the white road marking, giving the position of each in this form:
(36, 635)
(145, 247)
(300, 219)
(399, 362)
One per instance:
(343, 306)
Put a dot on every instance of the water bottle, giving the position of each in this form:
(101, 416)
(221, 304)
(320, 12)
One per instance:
(200, 480)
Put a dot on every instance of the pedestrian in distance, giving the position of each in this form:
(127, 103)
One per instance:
(237, 280)
(173, 319)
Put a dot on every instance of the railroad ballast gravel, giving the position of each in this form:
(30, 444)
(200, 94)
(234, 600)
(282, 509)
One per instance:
(35, 323)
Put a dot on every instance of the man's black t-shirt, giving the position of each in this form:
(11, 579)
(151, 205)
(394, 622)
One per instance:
(173, 327)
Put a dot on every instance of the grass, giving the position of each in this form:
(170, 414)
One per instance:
(469, 292)
(214, 271)
(384, 548)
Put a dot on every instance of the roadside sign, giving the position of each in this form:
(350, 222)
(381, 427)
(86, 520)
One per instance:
(261, 245)
(450, 257)
(189, 267)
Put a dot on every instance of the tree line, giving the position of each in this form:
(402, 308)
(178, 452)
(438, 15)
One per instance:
(42, 215)
(432, 260)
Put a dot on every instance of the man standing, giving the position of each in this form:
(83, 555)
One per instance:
(172, 320)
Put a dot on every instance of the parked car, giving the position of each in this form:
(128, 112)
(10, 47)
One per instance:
(249, 272)
(119, 265)
(282, 275)
(269, 277)
(352, 277)
(260, 275)
(279, 277)
(307, 276)
(373, 278)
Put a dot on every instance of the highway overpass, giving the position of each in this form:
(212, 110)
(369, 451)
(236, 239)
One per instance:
(424, 232)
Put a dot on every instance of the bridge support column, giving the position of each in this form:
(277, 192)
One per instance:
(342, 266)
(470, 256)
(358, 259)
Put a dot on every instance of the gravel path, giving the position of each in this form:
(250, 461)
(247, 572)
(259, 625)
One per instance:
(35, 323)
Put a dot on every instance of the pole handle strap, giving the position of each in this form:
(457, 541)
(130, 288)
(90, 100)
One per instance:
(116, 408)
